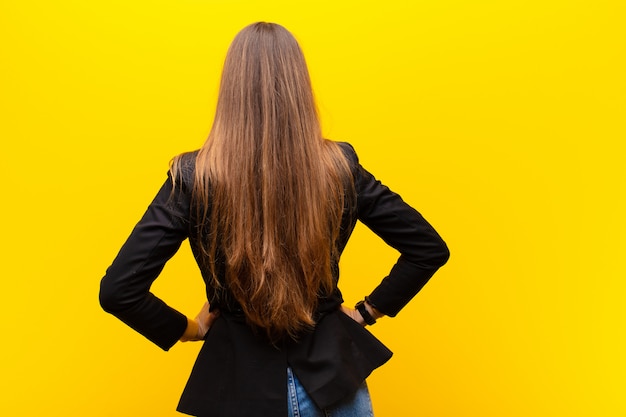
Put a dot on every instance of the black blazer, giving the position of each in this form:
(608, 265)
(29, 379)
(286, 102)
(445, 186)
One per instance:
(237, 372)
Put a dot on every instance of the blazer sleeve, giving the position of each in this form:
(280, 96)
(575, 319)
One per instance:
(422, 250)
(125, 288)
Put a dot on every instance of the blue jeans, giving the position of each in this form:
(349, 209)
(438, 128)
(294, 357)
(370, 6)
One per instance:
(301, 405)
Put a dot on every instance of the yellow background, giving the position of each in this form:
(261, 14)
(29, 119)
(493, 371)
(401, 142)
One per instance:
(501, 121)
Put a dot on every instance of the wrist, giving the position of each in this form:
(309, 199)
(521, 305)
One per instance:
(191, 332)
(366, 311)
(372, 309)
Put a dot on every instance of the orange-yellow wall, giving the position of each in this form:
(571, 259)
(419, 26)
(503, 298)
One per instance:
(503, 122)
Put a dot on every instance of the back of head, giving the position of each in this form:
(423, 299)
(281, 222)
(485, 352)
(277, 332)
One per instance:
(265, 84)
(269, 190)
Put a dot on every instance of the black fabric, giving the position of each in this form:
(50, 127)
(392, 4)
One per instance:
(237, 372)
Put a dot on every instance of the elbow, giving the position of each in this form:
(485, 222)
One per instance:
(431, 258)
(118, 298)
(109, 297)
(444, 254)
(439, 255)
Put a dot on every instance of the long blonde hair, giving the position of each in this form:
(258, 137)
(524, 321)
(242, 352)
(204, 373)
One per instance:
(269, 191)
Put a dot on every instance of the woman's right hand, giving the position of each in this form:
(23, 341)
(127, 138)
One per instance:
(356, 316)
(353, 314)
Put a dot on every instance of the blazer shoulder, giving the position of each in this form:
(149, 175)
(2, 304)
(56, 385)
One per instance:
(185, 165)
(349, 153)
(187, 161)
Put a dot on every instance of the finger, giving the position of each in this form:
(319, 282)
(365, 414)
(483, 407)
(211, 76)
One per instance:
(212, 317)
(205, 308)
(204, 312)
(353, 314)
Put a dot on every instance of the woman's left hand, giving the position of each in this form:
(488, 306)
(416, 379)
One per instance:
(198, 327)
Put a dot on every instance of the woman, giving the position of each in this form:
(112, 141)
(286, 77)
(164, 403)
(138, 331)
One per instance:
(268, 206)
